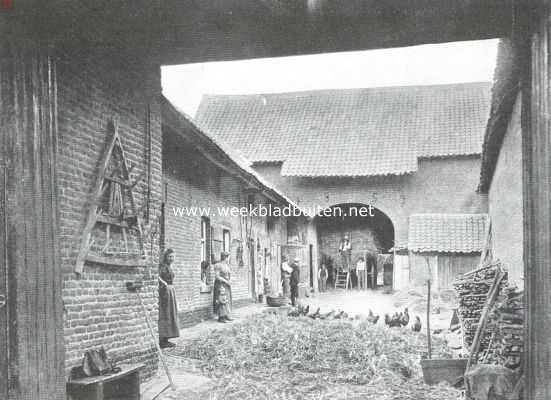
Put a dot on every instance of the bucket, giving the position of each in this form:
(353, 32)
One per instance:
(443, 370)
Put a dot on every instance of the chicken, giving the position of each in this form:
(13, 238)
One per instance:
(328, 315)
(375, 320)
(293, 312)
(372, 318)
(394, 321)
(405, 317)
(316, 314)
(416, 325)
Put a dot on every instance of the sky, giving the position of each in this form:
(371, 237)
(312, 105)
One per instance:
(473, 61)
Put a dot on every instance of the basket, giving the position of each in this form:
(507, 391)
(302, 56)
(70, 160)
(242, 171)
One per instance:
(443, 370)
(276, 301)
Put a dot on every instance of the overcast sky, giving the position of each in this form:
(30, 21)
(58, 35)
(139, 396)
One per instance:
(472, 61)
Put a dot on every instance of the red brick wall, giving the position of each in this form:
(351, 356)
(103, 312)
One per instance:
(446, 185)
(192, 181)
(99, 311)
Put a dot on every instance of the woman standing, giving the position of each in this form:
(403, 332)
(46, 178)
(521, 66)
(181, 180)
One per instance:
(168, 309)
(285, 277)
(222, 274)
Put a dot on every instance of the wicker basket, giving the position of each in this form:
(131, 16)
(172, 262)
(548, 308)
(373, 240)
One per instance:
(276, 301)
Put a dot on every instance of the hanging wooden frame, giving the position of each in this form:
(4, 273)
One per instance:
(117, 218)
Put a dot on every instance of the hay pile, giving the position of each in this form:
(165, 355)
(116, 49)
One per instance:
(277, 357)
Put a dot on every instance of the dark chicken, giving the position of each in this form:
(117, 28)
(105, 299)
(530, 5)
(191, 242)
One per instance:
(416, 325)
(405, 317)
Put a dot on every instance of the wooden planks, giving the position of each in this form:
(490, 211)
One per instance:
(4, 318)
(536, 128)
(28, 105)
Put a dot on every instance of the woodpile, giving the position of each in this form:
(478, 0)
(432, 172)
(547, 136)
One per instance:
(473, 289)
(508, 319)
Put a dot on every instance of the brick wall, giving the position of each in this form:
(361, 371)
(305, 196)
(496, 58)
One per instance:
(191, 180)
(361, 238)
(446, 185)
(505, 201)
(99, 311)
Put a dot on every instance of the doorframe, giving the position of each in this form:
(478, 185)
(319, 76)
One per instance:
(251, 243)
(311, 261)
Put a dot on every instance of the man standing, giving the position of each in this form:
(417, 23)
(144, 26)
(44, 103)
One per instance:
(345, 250)
(322, 278)
(360, 268)
(295, 279)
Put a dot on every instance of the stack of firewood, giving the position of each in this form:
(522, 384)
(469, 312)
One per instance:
(473, 289)
(508, 319)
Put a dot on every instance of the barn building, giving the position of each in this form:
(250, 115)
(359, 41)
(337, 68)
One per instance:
(72, 74)
(401, 150)
(502, 169)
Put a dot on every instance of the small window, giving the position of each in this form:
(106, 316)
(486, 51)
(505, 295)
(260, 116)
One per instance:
(226, 240)
(205, 231)
(205, 255)
(250, 200)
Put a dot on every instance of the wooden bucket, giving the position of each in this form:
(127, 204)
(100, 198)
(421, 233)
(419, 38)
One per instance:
(443, 370)
(276, 301)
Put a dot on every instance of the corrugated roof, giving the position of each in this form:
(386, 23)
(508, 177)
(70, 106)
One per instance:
(450, 233)
(351, 132)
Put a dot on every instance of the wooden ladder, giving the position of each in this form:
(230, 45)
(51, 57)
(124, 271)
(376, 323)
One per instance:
(343, 280)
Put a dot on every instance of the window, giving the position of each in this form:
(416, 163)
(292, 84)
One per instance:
(205, 231)
(205, 255)
(250, 200)
(226, 240)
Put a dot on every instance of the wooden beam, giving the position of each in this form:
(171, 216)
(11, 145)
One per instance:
(28, 135)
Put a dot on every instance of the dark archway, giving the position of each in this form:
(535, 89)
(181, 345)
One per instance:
(371, 231)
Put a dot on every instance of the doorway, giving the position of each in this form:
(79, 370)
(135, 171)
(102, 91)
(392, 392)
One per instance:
(311, 261)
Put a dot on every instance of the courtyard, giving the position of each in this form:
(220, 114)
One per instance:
(266, 354)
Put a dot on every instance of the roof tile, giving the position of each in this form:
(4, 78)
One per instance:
(451, 233)
(351, 132)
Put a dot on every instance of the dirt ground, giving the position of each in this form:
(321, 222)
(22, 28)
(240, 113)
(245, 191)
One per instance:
(191, 383)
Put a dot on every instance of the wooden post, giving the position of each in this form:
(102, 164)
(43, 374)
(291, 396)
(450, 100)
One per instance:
(33, 313)
(155, 340)
(428, 319)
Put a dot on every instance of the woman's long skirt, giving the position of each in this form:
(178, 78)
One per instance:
(168, 313)
(286, 286)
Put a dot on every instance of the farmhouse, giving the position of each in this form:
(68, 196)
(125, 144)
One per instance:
(200, 173)
(404, 151)
(80, 105)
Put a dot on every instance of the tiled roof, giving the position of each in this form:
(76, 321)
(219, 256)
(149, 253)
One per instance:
(180, 121)
(351, 132)
(450, 233)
